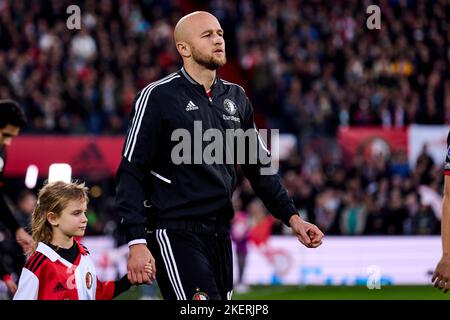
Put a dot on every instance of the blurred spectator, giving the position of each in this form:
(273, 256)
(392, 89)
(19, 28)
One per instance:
(260, 222)
(412, 203)
(353, 218)
(240, 235)
(425, 222)
(7, 253)
(328, 204)
(397, 213)
(25, 207)
(376, 217)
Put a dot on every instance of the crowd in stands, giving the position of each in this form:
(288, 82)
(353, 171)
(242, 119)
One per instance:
(372, 197)
(308, 66)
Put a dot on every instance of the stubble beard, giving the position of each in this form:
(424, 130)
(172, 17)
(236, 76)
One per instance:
(208, 61)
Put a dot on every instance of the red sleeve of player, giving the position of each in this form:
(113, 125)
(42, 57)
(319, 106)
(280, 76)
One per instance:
(105, 290)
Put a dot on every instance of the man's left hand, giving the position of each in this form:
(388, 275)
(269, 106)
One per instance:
(307, 233)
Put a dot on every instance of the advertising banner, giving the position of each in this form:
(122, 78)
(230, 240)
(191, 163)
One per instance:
(96, 157)
(370, 141)
(368, 261)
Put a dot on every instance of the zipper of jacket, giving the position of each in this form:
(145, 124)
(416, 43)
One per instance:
(218, 125)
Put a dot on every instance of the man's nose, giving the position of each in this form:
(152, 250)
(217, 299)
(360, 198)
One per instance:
(218, 39)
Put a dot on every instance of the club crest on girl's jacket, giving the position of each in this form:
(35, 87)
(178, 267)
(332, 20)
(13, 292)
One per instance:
(88, 280)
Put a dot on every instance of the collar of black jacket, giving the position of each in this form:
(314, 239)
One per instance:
(186, 75)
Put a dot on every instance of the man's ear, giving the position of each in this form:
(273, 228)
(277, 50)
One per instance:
(53, 219)
(184, 49)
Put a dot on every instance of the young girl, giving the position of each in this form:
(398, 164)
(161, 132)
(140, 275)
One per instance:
(60, 267)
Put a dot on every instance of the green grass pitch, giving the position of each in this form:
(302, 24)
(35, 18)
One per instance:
(328, 293)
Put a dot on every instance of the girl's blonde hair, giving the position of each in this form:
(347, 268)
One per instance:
(54, 197)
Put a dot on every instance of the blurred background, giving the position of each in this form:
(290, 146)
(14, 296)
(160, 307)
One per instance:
(363, 117)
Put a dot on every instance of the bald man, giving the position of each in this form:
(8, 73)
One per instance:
(175, 203)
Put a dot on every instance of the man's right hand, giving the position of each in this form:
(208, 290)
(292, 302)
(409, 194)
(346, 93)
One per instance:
(139, 256)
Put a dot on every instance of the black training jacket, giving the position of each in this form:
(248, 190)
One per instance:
(6, 216)
(147, 177)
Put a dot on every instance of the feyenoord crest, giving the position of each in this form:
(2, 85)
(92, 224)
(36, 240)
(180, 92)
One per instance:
(230, 106)
(200, 295)
(88, 280)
